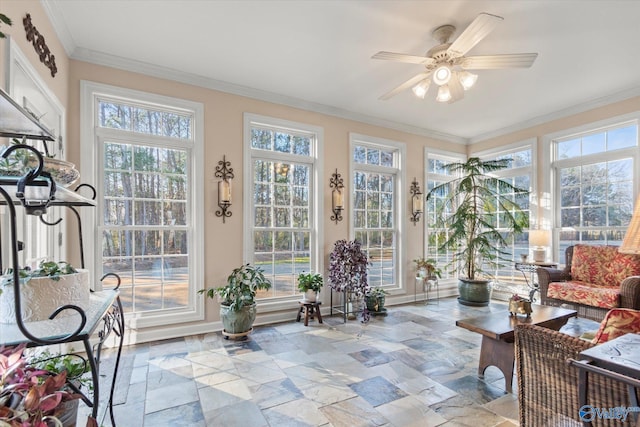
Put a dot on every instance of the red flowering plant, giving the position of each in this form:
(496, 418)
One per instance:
(29, 396)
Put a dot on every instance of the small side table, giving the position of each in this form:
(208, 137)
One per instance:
(531, 267)
(310, 310)
(426, 283)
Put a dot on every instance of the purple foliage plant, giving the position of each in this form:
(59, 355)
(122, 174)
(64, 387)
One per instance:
(348, 271)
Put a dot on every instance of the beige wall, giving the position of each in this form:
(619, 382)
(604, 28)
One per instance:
(16, 10)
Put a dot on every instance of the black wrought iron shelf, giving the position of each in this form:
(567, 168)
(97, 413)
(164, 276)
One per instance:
(35, 192)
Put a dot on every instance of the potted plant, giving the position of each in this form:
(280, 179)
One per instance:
(43, 290)
(375, 298)
(427, 268)
(310, 284)
(30, 396)
(479, 213)
(348, 272)
(74, 367)
(237, 299)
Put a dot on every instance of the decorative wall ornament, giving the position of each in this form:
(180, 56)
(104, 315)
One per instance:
(337, 197)
(39, 44)
(417, 203)
(224, 171)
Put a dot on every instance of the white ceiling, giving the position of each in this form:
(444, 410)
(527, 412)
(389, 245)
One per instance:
(316, 54)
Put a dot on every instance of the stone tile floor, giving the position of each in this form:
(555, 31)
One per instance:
(413, 367)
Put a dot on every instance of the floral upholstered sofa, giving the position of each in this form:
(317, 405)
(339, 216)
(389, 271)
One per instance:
(595, 279)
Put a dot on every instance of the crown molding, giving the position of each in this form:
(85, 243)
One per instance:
(559, 114)
(59, 26)
(99, 58)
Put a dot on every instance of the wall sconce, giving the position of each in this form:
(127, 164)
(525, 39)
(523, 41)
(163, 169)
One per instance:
(224, 171)
(417, 203)
(337, 198)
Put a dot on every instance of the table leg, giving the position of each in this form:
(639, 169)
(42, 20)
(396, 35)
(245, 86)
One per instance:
(318, 314)
(500, 354)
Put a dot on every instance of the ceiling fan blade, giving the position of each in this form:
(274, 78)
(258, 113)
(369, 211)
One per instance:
(401, 57)
(476, 31)
(455, 88)
(487, 62)
(412, 81)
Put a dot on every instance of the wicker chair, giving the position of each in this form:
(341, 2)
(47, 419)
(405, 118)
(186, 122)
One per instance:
(548, 385)
(629, 290)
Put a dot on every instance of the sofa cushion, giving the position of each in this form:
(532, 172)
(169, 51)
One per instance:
(585, 293)
(618, 322)
(603, 266)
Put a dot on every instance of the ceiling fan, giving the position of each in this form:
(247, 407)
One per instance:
(446, 65)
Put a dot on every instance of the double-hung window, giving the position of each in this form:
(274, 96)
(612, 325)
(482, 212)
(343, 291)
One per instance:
(148, 155)
(376, 209)
(281, 201)
(436, 174)
(596, 172)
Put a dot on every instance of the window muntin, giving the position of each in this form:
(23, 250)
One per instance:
(595, 172)
(375, 181)
(282, 217)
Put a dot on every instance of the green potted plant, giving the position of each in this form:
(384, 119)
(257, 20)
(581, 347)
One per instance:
(310, 285)
(479, 213)
(375, 299)
(43, 290)
(237, 299)
(427, 268)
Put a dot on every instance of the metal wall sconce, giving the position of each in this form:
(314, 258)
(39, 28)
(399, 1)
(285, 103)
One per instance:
(337, 197)
(224, 171)
(417, 203)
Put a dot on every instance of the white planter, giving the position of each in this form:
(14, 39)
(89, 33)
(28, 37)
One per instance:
(41, 296)
(310, 296)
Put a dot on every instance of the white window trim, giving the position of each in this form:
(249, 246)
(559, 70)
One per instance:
(399, 194)
(316, 205)
(549, 179)
(536, 199)
(89, 92)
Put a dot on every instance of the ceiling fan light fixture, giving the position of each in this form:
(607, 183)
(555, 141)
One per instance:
(444, 94)
(467, 79)
(420, 90)
(442, 75)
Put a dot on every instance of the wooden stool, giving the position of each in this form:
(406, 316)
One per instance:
(310, 310)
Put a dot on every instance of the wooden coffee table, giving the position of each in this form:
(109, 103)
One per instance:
(497, 335)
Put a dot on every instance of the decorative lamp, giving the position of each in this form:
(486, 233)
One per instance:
(417, 203)
(631, 242)
(337, 196)
(224, 171)
(442, 75)
(467, 79)
(420, 90)
(539, 240)
(444, 94)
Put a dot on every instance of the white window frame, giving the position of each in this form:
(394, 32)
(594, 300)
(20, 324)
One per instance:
(451, 157)
(399, 195)
(551, 211)
(534, 196)
(315, 199)
(91, 161)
